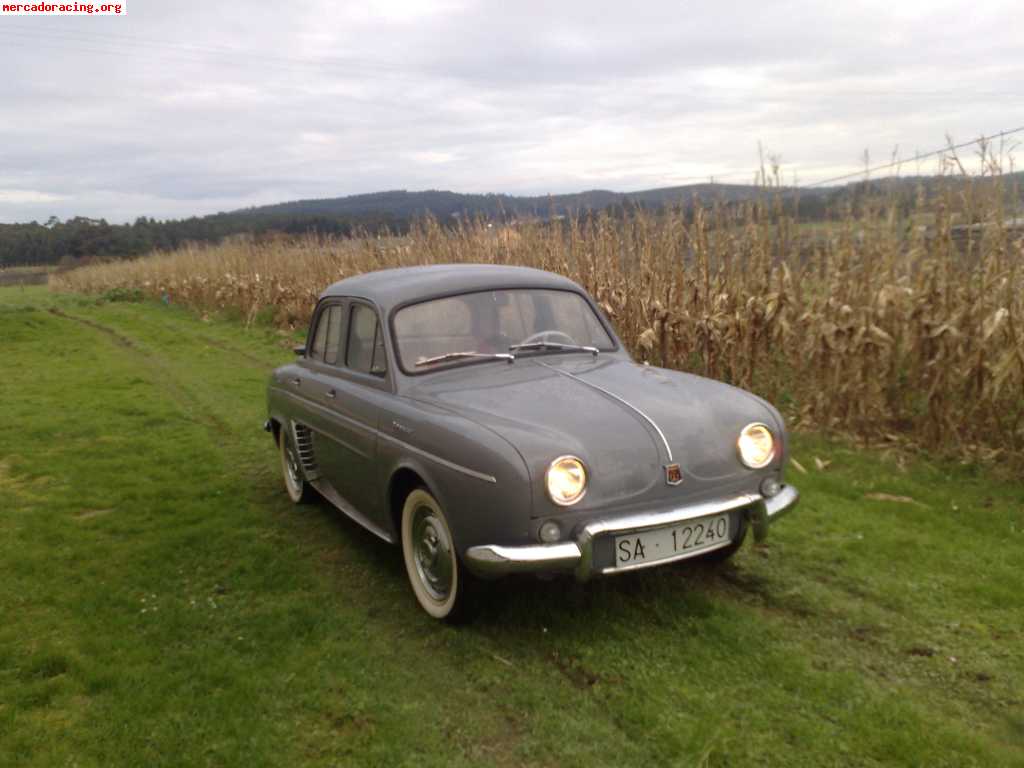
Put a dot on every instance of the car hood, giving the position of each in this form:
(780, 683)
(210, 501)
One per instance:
(616, 415)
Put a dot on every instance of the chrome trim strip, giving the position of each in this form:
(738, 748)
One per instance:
(418, 451)
(343, 443)
(770, 510)
(493, 561)
(782, 502)
(644, 416)
(333, 413)
(645, 520)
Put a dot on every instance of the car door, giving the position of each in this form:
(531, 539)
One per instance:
(314, 421)
(357, 384)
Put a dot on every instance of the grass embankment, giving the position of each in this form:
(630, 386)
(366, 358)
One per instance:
(163, 604)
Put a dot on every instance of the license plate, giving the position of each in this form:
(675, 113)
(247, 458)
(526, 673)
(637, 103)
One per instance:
(671, 541)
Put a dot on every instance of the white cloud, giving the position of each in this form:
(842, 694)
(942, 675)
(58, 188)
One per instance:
(431, 158)
(190, 107)
(23, 196)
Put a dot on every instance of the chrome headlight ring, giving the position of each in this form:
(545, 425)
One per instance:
(756, 445)
(565, 480)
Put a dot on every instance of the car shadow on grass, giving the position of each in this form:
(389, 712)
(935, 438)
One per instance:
(660, 593)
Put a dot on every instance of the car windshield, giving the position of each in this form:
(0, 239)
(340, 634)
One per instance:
(487, 325)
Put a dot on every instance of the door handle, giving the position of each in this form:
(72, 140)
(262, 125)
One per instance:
(331, 394)
(297, 381)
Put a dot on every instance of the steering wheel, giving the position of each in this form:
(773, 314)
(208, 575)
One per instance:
(543, 336)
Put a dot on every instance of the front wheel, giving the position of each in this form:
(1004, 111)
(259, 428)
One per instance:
(443, 588)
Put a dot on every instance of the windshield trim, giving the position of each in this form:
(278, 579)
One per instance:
(393, 336)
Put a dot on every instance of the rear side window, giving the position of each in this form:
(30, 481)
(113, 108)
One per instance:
(365, 351)
(327, 337)
(316, 352)
(333, 351)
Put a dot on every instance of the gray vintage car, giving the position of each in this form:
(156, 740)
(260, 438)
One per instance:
(488, 419)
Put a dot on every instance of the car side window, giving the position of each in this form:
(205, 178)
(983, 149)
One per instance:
(365, 351)
(316, 351)
(333, 350)
(326, 346)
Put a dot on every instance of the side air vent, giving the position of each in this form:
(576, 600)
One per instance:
(304, 445)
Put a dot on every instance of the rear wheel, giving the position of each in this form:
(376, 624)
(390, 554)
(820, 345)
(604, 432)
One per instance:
(299, 490)
(444, 589)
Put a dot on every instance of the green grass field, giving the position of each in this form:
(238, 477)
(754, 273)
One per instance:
(161, 602)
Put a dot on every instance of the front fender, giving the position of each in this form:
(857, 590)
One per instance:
(478, 478)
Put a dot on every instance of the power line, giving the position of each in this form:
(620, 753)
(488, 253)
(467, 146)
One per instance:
(916, 158)
(712, 177)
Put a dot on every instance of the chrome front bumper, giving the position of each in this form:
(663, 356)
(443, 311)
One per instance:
(492, 561)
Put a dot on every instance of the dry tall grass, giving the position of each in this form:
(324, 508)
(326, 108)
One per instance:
(873, 326)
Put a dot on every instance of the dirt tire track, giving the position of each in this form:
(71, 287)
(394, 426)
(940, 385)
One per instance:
(163, 375)
(251, 360)
(121, 340)
(254, 361)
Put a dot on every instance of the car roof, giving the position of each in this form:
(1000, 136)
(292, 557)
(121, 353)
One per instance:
(389, 288)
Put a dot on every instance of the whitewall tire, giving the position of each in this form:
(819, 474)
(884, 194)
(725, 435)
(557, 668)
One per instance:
(442, 586)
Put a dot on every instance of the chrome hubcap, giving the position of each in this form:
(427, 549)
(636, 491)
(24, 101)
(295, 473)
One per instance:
(432, 551)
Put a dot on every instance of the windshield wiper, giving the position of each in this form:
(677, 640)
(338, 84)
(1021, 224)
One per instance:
(460, 355)
(554, 345)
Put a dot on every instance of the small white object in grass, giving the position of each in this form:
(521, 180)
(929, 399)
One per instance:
(893, 498)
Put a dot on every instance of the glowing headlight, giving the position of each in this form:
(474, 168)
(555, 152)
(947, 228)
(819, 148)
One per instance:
(756, 446)
(566, 480)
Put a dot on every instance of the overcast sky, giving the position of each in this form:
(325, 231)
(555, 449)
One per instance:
(191, 107)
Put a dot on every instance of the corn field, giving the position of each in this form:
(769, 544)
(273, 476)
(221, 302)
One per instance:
(874, 325)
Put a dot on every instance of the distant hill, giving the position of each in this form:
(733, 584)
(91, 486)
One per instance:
(402, 204)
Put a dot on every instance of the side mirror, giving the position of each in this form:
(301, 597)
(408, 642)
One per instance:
(300, 351)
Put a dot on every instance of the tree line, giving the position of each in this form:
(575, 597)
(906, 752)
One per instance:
(69, 242)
